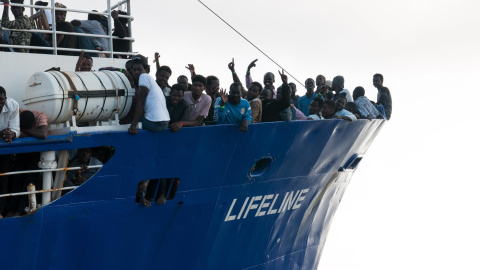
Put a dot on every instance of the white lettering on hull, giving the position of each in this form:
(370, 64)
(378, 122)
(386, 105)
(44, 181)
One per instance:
(291, 201)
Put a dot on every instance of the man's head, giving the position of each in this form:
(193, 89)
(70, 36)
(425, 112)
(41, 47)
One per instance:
(320, 80)
(213, 84)
(340, 103)
(3, 97)
(358, 92)
(40, 3)
(294, 89)
(17, 11)
(338, 83)
(198, 85)
(84, 155)
(328, 108)
(254, 90)
(176, 95)
(139, 66)
(87, 63)
(183, 80)
(268, 80)
(310, 85)
(129, 66)
(266, 94)
(280, 90)
(27, 120)
(162, 75)
(235, 94)
(352, 107)
(315, 106)
(378, 80)
(60, 15)
(97, 17)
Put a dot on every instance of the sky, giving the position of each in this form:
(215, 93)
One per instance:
(413, 203)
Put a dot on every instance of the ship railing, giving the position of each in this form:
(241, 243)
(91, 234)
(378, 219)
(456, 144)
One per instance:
(54, 47)
(47, 183)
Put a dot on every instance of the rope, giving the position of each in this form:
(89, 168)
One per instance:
(251, 43)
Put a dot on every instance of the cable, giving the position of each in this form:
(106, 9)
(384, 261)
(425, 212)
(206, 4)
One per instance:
(251, 43)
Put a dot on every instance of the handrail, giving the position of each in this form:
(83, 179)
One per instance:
(37, 191)
(105, 13)
(67, 33)
(54, 33)
(116, 5)
(50, 170)
(62, 49)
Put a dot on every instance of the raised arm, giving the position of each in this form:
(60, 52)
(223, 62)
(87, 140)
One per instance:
(248, 77)
(120, 30)
(157, 60)
(286, 98)
(80, 60)
(191, 68)
(231, 66)
(219, 115)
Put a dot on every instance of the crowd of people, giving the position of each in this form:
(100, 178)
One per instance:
(158, 105)
(95, 24)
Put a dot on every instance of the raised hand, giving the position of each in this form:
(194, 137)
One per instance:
(157, 56)
(114, 14)
(191, 68)
(223, 96)
(283, 76)
(252, 64)
(231, 65)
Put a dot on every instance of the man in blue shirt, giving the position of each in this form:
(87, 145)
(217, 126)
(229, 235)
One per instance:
(304, 102)
(232, 108)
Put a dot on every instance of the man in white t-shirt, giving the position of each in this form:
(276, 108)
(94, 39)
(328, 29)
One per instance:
(150, 99)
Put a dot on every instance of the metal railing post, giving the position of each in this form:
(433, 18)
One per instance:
(54, 28)
(110, 38)
(47, 161)
(129, 26)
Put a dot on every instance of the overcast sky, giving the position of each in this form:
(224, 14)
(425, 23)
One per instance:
(413, 203)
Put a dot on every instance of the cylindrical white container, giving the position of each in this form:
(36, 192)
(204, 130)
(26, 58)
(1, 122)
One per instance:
(99, 95)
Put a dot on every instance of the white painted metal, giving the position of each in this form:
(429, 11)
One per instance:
(47, 161)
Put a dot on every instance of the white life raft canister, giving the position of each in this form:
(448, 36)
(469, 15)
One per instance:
(89, 96)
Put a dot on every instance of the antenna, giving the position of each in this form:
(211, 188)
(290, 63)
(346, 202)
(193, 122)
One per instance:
(250, 42)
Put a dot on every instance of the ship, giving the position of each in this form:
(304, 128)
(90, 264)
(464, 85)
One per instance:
(264, 199)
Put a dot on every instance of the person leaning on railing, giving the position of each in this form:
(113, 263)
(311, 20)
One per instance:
(9, 130)
(32, 124)
(21, 22)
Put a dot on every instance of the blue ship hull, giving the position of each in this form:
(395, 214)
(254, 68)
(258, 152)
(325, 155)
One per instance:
(223, 215)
